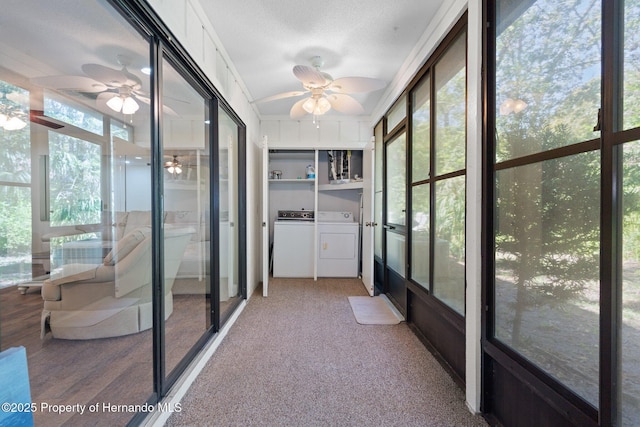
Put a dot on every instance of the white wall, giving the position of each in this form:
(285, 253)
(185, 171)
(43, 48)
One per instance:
(331, 131)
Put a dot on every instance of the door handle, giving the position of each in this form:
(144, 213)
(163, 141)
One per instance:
(389, 227)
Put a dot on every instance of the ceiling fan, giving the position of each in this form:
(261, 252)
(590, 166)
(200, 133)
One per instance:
(117, 89)
(173, 166)
(326, 93)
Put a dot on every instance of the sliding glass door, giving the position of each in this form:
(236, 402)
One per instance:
(110, 258)
(186, 253)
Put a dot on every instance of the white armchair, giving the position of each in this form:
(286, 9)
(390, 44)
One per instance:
(85, 301)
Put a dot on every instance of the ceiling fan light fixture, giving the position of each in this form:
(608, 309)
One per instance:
(174, 167)
(309, 105)
(129, 106)
(14, 123)
(322, 106)
(115, 103)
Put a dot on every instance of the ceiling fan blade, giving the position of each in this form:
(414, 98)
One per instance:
(356, 85)
(106, 75)
(165, 109)
(297, 111)
(309, 76)
(281, 96)
(345, 104)
(144, 99)
(74, 83)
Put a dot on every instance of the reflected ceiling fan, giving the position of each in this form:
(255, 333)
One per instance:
(326, 93)
(117, 89)
(177, 163)
(173, 166)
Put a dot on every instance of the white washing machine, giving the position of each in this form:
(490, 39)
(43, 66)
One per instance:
(338, 244)
(293, 249)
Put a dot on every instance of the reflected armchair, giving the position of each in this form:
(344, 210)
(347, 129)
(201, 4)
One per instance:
(86, 301)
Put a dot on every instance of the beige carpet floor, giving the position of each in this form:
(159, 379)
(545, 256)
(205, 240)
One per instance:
(299, 358)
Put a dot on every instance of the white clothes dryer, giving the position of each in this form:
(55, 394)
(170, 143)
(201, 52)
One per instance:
(338, 251)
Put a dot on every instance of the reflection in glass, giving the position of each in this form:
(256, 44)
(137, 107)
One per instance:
(630, 328)
(547, 75)
(631, 87)
(449, 237)
(547, 267)
(397, 113)
(378, 185)
(16, 262)
(396, 252)
(421, 136)
(229, 238)
(187, 282)
(450, 108)
(379, 150)
(420, 234)
(75, 180)
(396, 180)
(15, 191)
(95, 305)
(377, 231)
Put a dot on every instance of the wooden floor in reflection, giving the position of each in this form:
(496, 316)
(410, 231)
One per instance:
(116, 371)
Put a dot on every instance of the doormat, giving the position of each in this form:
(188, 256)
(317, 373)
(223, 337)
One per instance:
(375, 310)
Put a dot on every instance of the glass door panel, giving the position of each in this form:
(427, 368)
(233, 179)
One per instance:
(396, 182)
(631, 54)
(450, 108)
(378, 185)
(421, 132)
(60, 177)
(547, 268)
(420, 214)
(449, 238)
(546, 216)
(228, 225)
(547, 95)
(186, 246)
(396, 187)
(630, 327)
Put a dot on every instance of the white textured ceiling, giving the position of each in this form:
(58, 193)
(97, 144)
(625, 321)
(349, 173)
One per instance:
(266, 38)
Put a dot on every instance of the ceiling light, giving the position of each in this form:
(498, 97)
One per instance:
(129, 106)
(146, 70)
(509, 106)
(309, 105)
(14, 123)
(126, 104)
(322, 106)
(115, 103)
(12, 115)
(174, 166)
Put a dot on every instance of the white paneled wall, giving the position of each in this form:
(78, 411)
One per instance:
(328, 132)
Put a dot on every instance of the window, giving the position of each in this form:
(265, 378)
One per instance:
(15, 186)
(438, 177)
